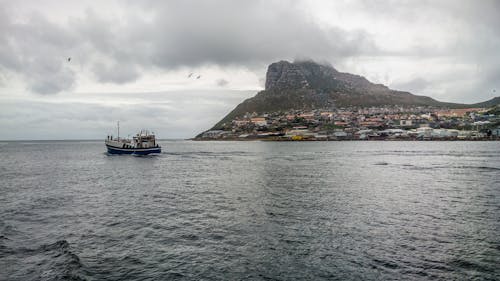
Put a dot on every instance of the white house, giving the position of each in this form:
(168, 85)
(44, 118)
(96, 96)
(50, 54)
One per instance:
(406, 123)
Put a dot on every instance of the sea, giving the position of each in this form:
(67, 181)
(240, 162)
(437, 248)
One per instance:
(354, 210)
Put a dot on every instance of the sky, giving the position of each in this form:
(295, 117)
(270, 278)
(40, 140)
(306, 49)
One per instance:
(71, 69)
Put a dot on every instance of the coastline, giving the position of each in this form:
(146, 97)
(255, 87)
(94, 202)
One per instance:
(345, 140)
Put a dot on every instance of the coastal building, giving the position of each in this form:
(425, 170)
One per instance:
(341, 123)
(214, 133)
(259, 121)
(240, 123)
(321, 136)
(363, 134)
(339, 135)
(326, 115)
(458, 112)
(444, 133)
(308, 116)
(391, 132)
(424, 132)
(299, 132)
(348, 123)
(406, 123)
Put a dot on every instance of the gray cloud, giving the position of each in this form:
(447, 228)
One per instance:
(177, 114)
(469, 48)
(168, 35)
(246, 32)
(446, 50)
(222, 82)
(177, 34)
(37, 49)
(115, 73)
(415, 85)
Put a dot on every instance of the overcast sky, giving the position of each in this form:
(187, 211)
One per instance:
(177, 67)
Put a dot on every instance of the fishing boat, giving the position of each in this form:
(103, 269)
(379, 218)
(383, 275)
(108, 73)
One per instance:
(142, 143)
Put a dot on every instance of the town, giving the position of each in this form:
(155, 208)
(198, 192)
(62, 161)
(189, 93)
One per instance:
(357, 123)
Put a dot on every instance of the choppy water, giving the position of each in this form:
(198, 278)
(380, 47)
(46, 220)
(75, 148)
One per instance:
(251, 211)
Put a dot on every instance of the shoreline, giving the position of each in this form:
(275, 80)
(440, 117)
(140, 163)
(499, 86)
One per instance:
(345, 140)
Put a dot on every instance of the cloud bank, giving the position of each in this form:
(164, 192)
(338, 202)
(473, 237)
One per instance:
(444, 49)
(171, 35)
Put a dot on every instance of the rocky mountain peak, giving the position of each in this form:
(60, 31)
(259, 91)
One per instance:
(306, 85)
(285, 75)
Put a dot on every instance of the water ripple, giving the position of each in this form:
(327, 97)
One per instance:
(251, 211)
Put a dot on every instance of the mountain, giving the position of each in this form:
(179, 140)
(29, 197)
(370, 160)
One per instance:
(489, 103)
(309, 85)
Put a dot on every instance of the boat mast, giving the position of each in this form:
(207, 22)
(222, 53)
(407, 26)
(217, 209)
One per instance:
(118, 125)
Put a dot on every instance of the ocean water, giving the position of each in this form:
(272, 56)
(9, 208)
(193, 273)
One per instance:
(251, 211)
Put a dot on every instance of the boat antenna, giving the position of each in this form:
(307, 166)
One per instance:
(118, 125)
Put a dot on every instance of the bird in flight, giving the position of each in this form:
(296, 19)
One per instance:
(198, 77)
(69, 59)
(190, 74)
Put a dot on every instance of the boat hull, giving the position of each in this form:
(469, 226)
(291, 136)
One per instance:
(136, 151)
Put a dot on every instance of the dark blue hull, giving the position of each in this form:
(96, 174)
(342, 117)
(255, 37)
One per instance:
(135, 151)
